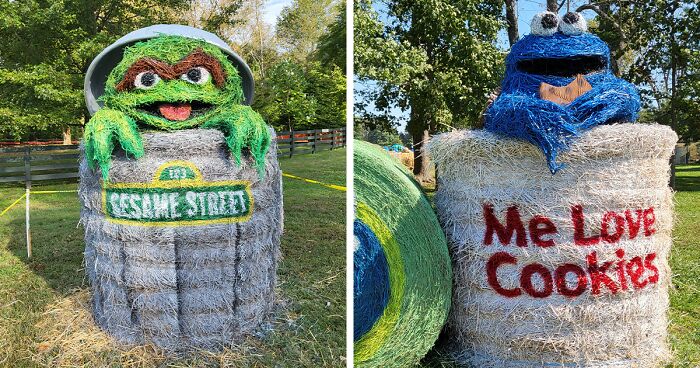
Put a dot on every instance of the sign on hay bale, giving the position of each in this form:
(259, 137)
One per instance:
(182, 245)
(402, 268)
(558, 270)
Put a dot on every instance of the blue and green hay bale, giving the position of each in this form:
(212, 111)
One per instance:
(403, 275)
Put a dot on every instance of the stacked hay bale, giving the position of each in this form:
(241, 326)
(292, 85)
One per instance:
(401, 264)
(558, 270)
(188, 282)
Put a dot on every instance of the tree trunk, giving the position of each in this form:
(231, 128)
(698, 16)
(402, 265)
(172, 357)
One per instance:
(552, 6)
(420, 164)
(66, 135)
(512, 18)
(674, 83)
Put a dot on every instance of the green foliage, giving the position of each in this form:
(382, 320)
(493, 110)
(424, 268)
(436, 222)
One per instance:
(283, 99)
(295, 97)
(331, 48)
(301, 24)
(436, 58)
(651, 43)
(46, 47)
(382, 135)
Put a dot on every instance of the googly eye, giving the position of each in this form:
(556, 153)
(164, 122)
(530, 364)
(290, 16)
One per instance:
(146, 80)
(573, 24)
(198, 75)
(544, 24)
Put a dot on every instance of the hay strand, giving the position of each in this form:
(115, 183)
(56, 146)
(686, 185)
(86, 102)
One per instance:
(402, 269)
(582, 280)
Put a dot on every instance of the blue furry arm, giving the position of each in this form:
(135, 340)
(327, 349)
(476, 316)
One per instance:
(615, 100)
(540, 122)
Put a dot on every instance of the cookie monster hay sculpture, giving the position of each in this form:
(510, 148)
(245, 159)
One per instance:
(558, 83)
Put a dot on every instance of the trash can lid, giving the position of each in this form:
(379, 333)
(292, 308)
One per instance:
(105, 61)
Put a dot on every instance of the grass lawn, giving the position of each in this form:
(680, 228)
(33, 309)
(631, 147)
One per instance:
(684, 314)
(44, 302)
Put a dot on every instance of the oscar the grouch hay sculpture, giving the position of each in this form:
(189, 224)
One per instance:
(565, 269)
(181, 192)
(402, 268)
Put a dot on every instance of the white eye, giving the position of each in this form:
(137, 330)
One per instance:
(573, 24)
(544, 24)
(146, 80)
(198, 75)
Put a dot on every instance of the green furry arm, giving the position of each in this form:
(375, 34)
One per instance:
(101, 131)
(244, 128)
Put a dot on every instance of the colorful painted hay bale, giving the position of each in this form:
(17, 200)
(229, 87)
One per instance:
(182, 245)
(401, 263)
(558, 270)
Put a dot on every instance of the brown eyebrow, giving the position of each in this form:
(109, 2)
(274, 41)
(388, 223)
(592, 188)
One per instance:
(163, 70)
(201, 58)
(168, 72)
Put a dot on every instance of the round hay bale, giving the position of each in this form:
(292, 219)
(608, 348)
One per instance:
(558, 270)
(182, 245)
(401, 263)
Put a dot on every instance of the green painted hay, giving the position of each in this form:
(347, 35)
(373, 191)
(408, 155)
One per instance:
(392, 205)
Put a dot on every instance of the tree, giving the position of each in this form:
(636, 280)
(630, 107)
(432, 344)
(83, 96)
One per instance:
(216, 16)
(331, 48)
(327, 84)
(436, 59)
(301, 24)
(656, 45)
(45, 49)
(283, 101)
(512, 19)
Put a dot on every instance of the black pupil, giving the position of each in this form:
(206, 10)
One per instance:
(148, 79)
(570, 18)
(194, 75)
(549, 21)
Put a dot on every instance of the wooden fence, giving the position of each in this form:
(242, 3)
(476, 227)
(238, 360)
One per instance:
(38, 163)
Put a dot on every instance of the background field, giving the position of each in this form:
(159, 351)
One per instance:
(44, 302)
(685, 263)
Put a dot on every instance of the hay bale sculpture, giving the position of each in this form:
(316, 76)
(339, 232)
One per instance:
(183, 218)
(402, 271)
(563, 263)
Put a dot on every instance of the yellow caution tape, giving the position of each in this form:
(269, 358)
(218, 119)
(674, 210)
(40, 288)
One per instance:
(36, 192)
(332, 186)
(54, 191)
(12, 205)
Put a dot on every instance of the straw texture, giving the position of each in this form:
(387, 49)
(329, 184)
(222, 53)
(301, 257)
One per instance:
(582, 278)
(183, 286)
(396, 228)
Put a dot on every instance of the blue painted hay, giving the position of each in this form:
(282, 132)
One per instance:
(403, 276)
(519, 111)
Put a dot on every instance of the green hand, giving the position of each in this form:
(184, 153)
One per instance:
(101, 131)
(243, 127)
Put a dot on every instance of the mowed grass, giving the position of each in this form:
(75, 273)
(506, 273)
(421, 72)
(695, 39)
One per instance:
(684, 314)
(44, 305)
(685, 263)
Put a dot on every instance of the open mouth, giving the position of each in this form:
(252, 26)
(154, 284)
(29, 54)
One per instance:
(568, 67)
(176, 111)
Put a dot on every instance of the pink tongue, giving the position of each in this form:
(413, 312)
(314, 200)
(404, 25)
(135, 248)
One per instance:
(176, 112)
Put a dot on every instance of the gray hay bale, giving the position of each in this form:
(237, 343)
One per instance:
(527, 298)
(180, 285)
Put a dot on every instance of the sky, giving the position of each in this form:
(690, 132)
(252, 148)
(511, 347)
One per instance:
(526, 10)
(273, 9)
